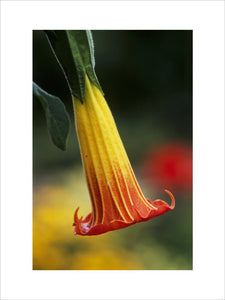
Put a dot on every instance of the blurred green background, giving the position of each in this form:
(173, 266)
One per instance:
(146, 76)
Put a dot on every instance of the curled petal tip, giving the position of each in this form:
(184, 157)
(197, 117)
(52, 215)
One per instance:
(76, 218)
(172, 199)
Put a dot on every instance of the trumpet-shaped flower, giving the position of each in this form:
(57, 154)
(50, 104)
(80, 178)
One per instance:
(117, 200)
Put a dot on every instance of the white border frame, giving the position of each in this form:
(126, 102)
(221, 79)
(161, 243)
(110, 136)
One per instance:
(18, 19)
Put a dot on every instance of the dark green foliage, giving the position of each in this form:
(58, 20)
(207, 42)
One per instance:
(58, 122)
(74, 52)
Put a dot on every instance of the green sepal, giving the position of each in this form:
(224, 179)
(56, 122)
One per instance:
(58, 122)
(74, 51)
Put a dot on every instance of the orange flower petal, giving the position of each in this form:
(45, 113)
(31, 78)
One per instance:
(117, 200)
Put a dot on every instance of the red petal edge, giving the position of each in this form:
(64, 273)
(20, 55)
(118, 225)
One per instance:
(83, 226)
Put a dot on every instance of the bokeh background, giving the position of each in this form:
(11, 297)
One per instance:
(147, 80)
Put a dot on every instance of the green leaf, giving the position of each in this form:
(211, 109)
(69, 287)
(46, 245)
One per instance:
(58, 121)
(74, 51)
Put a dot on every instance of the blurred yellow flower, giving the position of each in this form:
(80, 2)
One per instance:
(54, 247)
(107, 260)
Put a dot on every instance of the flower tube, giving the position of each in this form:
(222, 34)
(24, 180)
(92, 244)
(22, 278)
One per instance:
(117, 200)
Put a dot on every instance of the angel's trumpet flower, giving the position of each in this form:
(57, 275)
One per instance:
(117, 200)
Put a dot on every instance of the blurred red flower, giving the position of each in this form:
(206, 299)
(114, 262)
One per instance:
(169, 165)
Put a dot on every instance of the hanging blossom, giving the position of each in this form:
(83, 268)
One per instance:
(117, 200)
